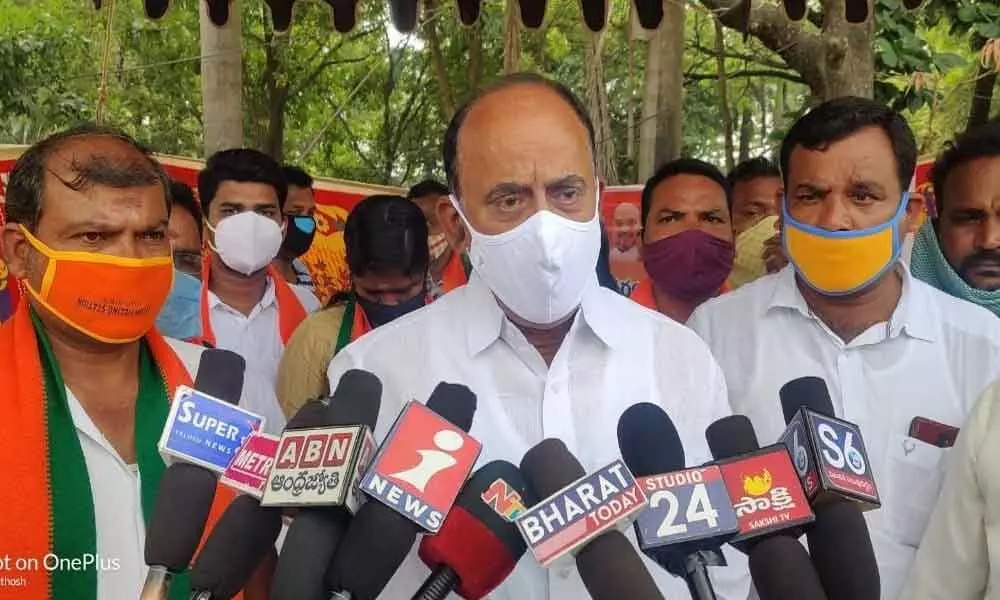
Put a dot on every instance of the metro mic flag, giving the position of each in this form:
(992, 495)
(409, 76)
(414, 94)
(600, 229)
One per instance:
(690, 514)
(771, 508)
(762, 482)
(829, 453)
(380, 537)
(580, 514)
(316, 532)
(238, 544)
(479, 544)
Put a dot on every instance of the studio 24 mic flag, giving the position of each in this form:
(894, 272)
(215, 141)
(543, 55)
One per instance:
(422, 467)
(205, 431)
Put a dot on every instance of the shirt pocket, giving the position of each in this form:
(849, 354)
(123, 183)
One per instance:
(914, 472)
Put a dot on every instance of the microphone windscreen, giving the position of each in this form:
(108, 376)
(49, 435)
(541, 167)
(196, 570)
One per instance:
(648, 441)
(795, 9)
(220, 374)
(455, 402)
(281, 13)
(313, 414)
(532, 12)
(781, 568)
(374, 546)
(238, 544)
(479, 540)
(595, 13)
(218, 11)
(183, 502)
(731, 436)
(839, 543)
(856, 11)
(612, 570)
(807, 392)
(306, 554)
(356, 400)
(649, 13)
(549, 467)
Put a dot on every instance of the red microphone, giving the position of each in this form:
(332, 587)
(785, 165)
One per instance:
(479, 545)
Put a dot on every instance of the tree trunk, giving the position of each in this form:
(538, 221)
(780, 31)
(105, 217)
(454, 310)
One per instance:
(646, 164)
(746, 135)
(671, 102)
(723, 87)
(597, 106)
(630, 100)
(446, 95)
(222, 80)
(512, 39)
(837, 61)
(474, 70)
(982, 93)
(277, 96)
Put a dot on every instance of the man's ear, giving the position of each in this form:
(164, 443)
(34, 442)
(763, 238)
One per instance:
(916, 213)
(14, 250)
(452, 224)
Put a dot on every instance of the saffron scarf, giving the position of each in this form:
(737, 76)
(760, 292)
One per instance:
(290, 310)
(929, 264)
(456, 272)
(642, 293)
(47, 502)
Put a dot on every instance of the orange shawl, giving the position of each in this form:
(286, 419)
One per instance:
(455, 273)
(25, 529)
(642, 293)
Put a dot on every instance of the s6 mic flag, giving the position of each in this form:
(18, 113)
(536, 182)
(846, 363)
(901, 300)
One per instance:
(380, 537)
(578, 518)
(690, 514)
(479, 544)
(829, 454)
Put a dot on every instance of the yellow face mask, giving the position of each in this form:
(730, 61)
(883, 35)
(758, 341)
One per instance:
(838, 263)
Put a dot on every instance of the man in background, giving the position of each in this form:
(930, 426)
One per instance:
(185, 229)
(300, 213)
(687, 238)
(449, 264)
(890, 347)
(959, 253)
(756, 199)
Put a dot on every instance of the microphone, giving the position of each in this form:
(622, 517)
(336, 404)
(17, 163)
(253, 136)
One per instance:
(771, 510)
(479, 545)
(187, 489)
(839, 541)
(244, 535)
(381, 535)
(322, 464)
(828, 452)
(690, 514)
(795, 9)
(578, 516)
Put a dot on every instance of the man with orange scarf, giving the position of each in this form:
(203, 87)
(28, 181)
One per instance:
(85, 379)
(246, 305)
(450, 266)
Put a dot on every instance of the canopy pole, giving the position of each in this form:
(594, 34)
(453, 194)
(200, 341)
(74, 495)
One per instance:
(102, 91)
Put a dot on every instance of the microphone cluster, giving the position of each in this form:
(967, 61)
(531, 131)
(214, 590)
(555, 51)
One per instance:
(355, 510)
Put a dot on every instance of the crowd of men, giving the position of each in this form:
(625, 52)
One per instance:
(498, 279)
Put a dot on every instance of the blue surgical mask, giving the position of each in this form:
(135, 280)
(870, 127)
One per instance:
(180, 317)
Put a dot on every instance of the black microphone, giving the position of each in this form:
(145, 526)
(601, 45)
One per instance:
(479, 544)
(856, 11)
(608, 564)
(766, 484)
(316, 532)
(379, 538)
(839, 541)
(237, 545)
(186, 492)
(690, 514)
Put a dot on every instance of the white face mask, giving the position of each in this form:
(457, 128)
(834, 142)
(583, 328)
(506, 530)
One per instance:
(541, 268)
(246, 242)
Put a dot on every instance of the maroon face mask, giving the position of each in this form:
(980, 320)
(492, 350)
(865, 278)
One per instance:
(690, 266)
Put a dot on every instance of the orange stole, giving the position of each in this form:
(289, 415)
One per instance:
(290, 310)
(25, 529)
(454, 274)
(642, 293)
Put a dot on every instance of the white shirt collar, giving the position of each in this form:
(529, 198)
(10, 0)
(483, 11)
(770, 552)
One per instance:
(266, 300)
(486, 318)
(913, 314)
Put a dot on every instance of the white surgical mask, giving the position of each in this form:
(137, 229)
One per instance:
(246, 242)
(541, 268)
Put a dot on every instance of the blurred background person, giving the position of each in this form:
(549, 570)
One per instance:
(959, 253)
(687, 237)
(185, 229)
(755, 204)
(300, 214)
(449, 266)
(388, 257)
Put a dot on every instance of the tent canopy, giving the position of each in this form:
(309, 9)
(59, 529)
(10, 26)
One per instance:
(404, 13)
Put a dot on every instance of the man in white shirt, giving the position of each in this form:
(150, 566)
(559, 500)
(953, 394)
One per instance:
(890, 347)
(548, 352)
(251, 309)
